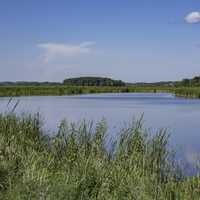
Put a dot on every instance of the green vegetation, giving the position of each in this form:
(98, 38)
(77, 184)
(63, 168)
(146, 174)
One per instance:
(187, 88)
(75, 164)
(93, 81)
(190, 92)
(70, 90)
(194, 82)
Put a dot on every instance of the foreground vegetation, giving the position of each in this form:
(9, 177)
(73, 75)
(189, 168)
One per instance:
(76, 164)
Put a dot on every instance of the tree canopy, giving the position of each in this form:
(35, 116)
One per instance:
(93, 81)
(190, 82)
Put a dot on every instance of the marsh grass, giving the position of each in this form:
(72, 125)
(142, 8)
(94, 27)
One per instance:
(75, 163)
(72, 90)
(10, 91)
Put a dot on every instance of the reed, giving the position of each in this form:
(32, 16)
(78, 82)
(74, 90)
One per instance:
(75, 163)
(70, 90)
(189, 92)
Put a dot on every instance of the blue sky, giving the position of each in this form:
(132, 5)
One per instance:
(135, 40)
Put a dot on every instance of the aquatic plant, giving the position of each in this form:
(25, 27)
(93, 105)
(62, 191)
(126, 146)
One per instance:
(75, 163)
(10, 91)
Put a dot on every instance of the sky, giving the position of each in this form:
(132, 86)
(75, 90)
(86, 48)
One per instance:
(131, 40)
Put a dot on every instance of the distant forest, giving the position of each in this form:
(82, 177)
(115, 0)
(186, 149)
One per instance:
(93, 81)
(29, 83)
(103, 81)
(194, 82)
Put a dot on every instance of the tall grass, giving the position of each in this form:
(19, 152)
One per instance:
(191, 92)
(66, 90)
(75, 163)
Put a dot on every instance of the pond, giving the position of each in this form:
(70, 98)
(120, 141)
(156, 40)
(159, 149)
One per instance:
(161, 110)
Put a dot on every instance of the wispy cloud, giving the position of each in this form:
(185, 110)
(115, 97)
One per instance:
(60, 50)
(193, 18)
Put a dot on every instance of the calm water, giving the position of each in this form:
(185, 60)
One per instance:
(180, 116)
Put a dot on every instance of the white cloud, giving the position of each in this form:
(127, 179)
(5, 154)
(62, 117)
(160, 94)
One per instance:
(59, 50)
(193, 17)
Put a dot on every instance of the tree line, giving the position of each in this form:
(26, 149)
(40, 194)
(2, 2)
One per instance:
(93, 81)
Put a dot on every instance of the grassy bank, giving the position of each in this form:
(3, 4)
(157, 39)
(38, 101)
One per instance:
(74, 164)
(67, 90)
(190, 92)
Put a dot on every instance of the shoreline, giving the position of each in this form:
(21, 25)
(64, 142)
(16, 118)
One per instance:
(17, 91)
(14, 91)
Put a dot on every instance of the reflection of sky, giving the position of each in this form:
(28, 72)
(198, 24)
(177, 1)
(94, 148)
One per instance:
(180, 116)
